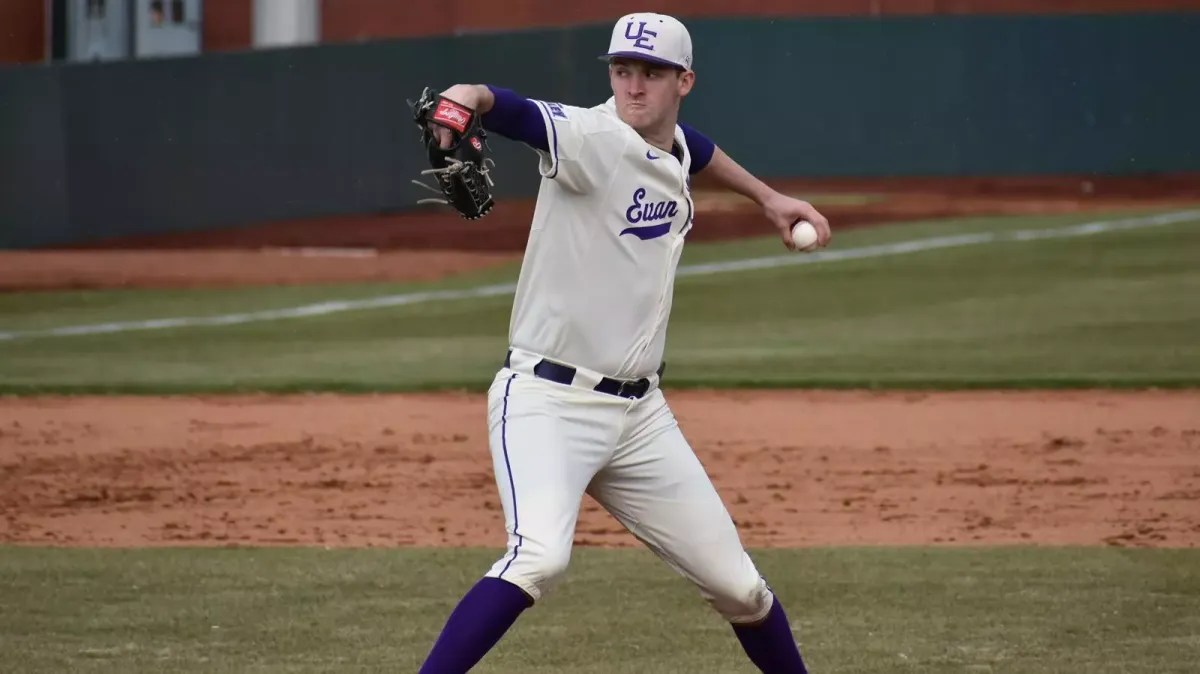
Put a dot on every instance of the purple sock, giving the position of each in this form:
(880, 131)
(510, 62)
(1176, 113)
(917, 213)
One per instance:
(482, 616)
(770, 644)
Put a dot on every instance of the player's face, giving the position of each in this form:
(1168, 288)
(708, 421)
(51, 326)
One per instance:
(647, 94)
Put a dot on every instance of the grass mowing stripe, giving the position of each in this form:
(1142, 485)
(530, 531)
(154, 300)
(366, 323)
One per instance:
(338, 306)
(937, 242)
(1102, 310)
(318, 309)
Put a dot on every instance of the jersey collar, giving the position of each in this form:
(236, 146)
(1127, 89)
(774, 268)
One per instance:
(610, 107)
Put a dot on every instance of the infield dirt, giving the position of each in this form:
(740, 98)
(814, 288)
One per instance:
(795, 468)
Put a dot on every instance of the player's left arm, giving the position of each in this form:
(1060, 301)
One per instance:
(503, 111)
(783, 211)
(578, 149)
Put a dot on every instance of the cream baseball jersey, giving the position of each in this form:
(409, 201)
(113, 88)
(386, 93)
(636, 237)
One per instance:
(598, 275)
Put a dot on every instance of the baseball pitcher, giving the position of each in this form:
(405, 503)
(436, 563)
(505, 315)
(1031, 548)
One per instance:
(576, 407)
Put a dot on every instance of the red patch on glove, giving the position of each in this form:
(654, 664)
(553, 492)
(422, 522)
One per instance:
(452, 115)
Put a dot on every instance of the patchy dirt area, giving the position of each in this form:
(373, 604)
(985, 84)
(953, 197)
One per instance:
(428, 244)
(795, 468)
(46, 270)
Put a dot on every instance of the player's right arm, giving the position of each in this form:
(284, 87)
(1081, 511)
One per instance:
(576, 147)
(782, 210)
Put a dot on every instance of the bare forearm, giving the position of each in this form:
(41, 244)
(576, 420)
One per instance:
(728, 173)
(783, 211)
(478, 97)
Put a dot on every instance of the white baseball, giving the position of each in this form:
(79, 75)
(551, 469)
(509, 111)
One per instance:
(804, 235)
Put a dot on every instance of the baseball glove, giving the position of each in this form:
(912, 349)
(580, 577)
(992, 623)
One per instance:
(461, 170)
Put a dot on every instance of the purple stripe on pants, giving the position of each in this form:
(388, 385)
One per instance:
(508, 467)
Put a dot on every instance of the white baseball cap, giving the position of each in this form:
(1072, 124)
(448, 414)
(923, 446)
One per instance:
(651, 37)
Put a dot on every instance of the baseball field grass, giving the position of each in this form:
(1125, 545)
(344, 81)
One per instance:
(1116, 308)
(1010, 609)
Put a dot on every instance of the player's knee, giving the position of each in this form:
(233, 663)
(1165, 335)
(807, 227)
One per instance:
(553, 563)
(741, 599)
(538, 568)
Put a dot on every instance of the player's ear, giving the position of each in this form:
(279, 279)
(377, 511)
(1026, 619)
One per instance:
(687, 79)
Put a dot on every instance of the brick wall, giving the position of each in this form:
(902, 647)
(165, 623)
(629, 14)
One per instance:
(22, 31)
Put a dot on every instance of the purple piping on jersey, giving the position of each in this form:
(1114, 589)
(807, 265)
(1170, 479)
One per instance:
(508, 467)
(647, 233)
(516, 118)
(554, 129)
(700, 146)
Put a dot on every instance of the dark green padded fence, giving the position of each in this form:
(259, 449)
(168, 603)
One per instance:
(92, 151)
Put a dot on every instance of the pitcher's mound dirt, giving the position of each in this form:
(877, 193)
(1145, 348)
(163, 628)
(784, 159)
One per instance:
(794, 468)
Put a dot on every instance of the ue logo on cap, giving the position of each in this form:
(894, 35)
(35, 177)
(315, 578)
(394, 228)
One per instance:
(641, 39)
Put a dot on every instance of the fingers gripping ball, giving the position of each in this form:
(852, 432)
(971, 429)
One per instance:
(460, 166)
(805, 236)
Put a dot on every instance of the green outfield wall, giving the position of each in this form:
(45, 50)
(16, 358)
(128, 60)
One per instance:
(89, 151)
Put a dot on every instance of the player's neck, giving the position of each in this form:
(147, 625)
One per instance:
(661, 137)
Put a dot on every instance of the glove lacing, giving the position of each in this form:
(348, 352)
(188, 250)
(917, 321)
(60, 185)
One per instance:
(455, 166)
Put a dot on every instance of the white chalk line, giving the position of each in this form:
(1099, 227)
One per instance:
(881, 250)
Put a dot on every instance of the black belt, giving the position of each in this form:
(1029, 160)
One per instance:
(565, 374)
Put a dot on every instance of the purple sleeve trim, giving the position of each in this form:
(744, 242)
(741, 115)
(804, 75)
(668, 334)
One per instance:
(700, 146)
(554, 151)
(516, 118)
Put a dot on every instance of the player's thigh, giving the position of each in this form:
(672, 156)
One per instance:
(664, 496)
(546, 446)
(658, 489)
